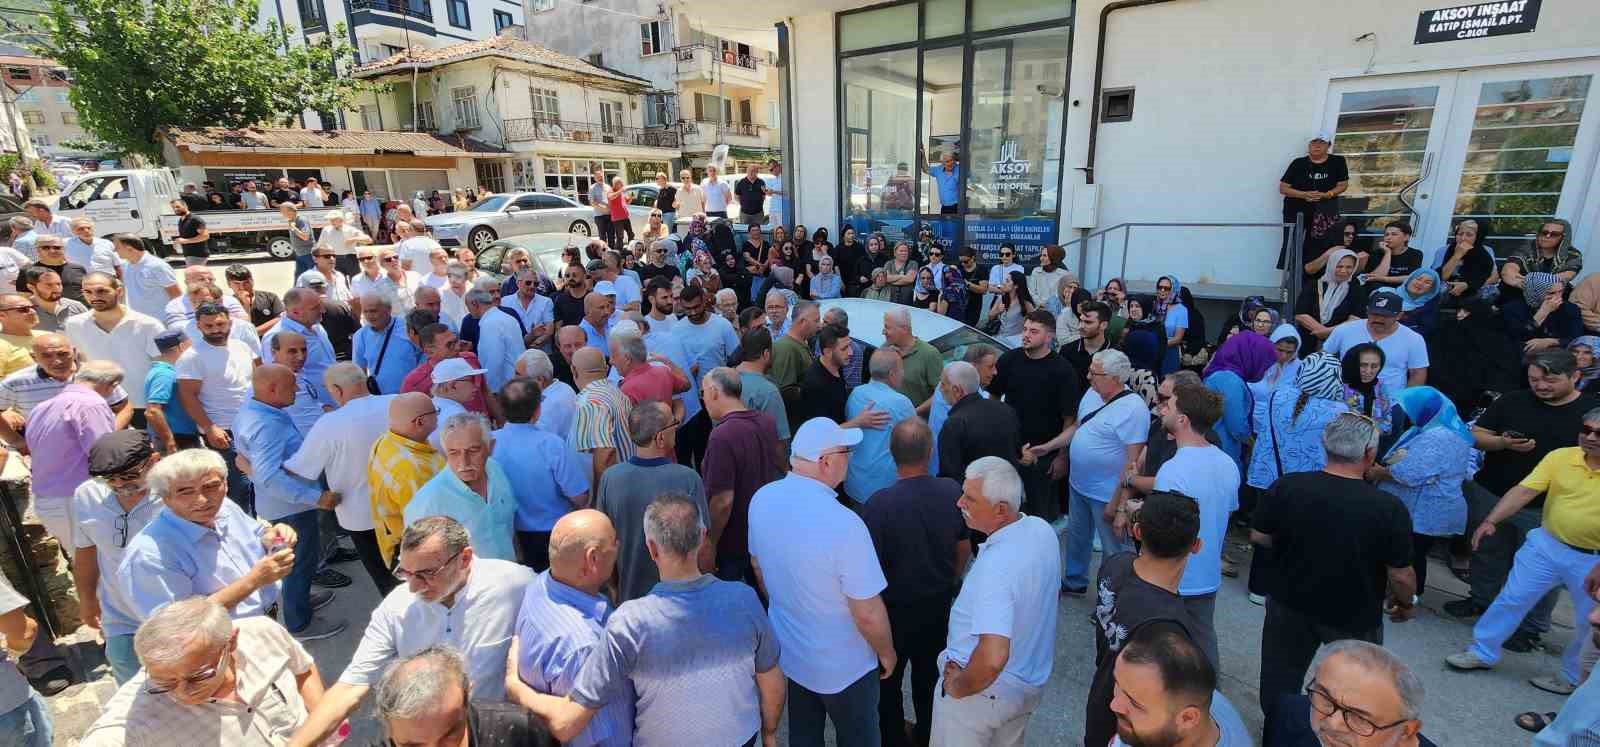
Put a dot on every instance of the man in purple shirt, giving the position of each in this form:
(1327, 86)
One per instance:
(59, 434)
(741, 456)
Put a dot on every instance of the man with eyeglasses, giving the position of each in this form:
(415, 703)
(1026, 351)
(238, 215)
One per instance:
(547, 479)
(1359, 694)
(210, 680)
(19, 320)
(53, 256)
(401, 284)
(1166, 693)
(453, 598)
(110, 511)
(369, 272)
(1550, 251)
(1000, 273)
(331, 283)
(536, 314)
(24, 391)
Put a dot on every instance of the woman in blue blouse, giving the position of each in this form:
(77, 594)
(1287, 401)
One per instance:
(826, 283)
(1174, 317)
(1425, 468)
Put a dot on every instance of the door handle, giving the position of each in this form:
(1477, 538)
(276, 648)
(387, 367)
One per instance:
(134, 214)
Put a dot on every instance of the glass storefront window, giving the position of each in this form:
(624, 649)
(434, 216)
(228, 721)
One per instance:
(879, 138)
(943, 18)
(895, 24)
(998, 14)
(942, 80)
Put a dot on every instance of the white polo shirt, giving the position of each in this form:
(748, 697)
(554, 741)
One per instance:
(815, 556)
(242, 332)
(339, 446)
(716, 194)
(95, 257)
(418, 250)
(147, 281)
(131, 345)
(224, 374)
(480, 626)
(1011, 591)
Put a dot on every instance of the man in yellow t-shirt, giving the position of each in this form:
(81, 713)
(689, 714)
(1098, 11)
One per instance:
(1561, 552)
(402, 462)
(13, 359)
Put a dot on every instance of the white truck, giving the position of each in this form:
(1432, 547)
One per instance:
(139, 201)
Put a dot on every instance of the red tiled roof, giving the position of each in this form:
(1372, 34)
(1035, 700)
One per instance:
(348, 141)
(498, 46)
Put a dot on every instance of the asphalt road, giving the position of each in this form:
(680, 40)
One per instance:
(1461, 709)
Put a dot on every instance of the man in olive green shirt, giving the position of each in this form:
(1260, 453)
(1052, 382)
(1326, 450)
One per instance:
(923, 364)
(791, 356)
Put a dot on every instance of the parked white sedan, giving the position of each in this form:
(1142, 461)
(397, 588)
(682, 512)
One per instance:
(950, 337)
(511, 214)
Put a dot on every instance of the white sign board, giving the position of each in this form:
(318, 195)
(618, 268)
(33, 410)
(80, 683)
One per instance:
(244, 221)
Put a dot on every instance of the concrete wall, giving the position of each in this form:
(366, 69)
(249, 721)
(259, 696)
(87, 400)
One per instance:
(611, 28)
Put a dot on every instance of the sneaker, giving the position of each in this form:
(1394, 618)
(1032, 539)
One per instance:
(342, 555)
(1464, 608)
(1466, 661)
(320, 599)
(319, 630)
(1258, 600)
(330, 579)
(53, 681)
(1553, 683)
(1521, 642)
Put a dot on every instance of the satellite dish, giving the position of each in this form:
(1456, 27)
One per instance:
(719, 158)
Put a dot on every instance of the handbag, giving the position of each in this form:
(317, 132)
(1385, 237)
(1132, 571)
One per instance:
(372, 381)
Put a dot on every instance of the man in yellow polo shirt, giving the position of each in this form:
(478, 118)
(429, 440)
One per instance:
(1561, 552)
(402, 462)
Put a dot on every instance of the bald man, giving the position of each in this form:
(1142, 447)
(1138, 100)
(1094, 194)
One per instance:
(402, 462)
(597, 311)
(568, 340)
(563, 619)
(265, 434)
(289, 350)
(600, 421)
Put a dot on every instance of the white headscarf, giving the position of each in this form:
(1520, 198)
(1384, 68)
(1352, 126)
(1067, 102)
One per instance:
(1332, 292)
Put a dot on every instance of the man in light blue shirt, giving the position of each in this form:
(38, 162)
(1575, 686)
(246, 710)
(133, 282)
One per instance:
(948, 175)
(474, 490)
(266, 436)
(302, 312)
(707, 340)
(202, 543)
(381, 347)
(871, 468)
(547, 478)
(562, 625)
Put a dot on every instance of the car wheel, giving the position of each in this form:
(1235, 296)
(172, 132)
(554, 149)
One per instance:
(480, 238)
(579, 227)
(280, 248)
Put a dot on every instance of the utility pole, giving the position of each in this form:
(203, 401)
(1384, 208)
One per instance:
(722, 103)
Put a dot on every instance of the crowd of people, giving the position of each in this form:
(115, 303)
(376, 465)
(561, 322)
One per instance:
(666, 497)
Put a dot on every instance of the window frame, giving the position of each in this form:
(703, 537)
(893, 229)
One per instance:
(459, 14)
(465, 108)
(510, 20)
(544, 104)
(653, 38)
(34, 117)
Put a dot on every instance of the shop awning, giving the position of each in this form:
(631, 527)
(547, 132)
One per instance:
(291, 141)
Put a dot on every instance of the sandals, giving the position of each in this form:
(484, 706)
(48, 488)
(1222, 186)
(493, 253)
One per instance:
(1534, 721)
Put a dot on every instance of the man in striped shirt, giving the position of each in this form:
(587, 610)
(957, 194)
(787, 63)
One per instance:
(600, 424)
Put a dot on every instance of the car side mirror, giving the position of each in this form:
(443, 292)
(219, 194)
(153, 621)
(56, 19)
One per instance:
(513, 209)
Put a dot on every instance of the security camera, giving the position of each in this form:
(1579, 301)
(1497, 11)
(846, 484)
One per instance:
(1046, 89)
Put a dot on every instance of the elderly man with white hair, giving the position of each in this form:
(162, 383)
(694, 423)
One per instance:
(776, 304)
(210, 680)
(535, 313)
(923, 363)
(339, 237)
(381, 347)
(1357, 693)
(427, 699)
(472, 489)
(727, 305)
(499, 337)
(1003, 624)
(89, 250)
(1113, 423)
(557, 399)
(974, 425)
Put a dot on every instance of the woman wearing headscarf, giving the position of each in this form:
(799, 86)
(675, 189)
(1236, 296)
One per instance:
(1425, 469)
(1331, 301)
(1363, 389)
(1174, 318)
(1587, 348)
(1192, 353)
(1420, 297)
(1241, 361)
(1144, 339)
(1286, 364)
(1466, 264)
(1539, 317)
(1289, 439)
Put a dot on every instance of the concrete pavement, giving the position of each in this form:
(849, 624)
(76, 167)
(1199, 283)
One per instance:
(1461, 708)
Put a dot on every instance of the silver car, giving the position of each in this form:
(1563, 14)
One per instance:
(511, 214)
(950, 337)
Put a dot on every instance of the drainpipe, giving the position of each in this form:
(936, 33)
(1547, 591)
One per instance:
(785, 124)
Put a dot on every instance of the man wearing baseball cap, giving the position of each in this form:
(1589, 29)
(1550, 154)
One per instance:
(169, 424)
(1311, 186)
(453, 387)
(817, 562)
(1405, 361)
(109, 511)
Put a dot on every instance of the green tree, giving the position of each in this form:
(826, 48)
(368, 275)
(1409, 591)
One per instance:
(139, 67)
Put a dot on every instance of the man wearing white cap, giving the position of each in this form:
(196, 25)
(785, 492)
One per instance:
(453, 387)
(1311, 187)
(824, 590)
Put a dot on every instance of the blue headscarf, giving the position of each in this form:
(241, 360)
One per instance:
(1409, 302)
(1428, 409)
(1160, 310)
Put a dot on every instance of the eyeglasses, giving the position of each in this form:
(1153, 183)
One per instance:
(427, 575)
(390, 260)
(1322, 702)
(1007, 254)
(1553, 234)
(23, 307)
(198, 678)
(1587, 431)
(127, 476)
(426, 415)
(322, 256)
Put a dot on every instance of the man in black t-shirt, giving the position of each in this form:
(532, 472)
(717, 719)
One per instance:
(822, 389)
(976, 280)
(194, 239)
(1043, 389)
(1517, 431)
(1397, 260)
(1346, 544)
(752, 194)
(1311, 186)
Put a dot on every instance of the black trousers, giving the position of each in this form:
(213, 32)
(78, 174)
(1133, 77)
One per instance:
(692, 438)
(1041, 495)
(366, 543)
(1289, 641)
(347, 265)
(535, 547)
(918, 629)
(602, 224)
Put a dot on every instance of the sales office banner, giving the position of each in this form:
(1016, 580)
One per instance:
(1478, 20)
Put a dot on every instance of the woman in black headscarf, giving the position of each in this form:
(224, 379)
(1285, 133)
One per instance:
(1144, 339)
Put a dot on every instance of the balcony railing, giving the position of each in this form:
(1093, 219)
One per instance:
(526, 129)
(421, 12)
(727, 56)
(709, 127)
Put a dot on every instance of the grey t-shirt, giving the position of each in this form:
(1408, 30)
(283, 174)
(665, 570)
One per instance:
(625, 491)
(597, 199)
(14, 688)
(759, 393)
(691, 650)
(302, 247)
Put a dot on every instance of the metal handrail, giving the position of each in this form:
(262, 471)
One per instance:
(525, 129)
(727, 57)
(399, 7)
(1096, 241)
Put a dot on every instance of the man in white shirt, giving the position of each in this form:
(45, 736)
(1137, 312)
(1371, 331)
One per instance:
(400, 284)
(45, 222)
(717, 194)
(1113, 422)
(251, 198)
(180, 310)
(825, 591)
(557, 399)
(451, 598)
(1405, 353)
(537, 313)
(116, 333)
(1209, 476)
(341, 238)
(775, 192)
(94, 253)
(414, 245)
(311, 194)
(1001, 643)
(499, 337)
(338, 449)
(151, 282)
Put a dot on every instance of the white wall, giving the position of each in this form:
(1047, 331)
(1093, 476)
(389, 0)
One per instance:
(815, 161)
(610, 27)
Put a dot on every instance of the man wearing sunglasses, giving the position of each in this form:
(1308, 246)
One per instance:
(110, 511)
(451, 597)
(210, 680)
(1550, 251)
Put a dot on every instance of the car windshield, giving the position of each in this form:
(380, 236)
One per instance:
(953, 345)
(490, 205)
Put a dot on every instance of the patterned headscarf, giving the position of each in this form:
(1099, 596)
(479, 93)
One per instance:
(1591, 372)
(1160, 310)
(1536, 286)
(1319, 377)
(697, 225)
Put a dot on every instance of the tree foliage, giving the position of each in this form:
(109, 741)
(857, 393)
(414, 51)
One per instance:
(138, 67)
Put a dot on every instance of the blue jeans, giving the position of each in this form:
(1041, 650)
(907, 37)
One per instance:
(1085, 519)
(854, 711)
(119, 654)
(1543, 564)
(303, 262)
(295, 606)
(28, 725)
(668, 219)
